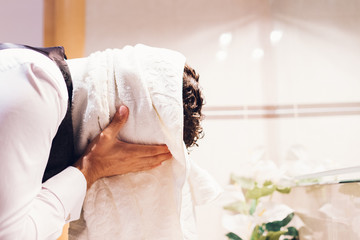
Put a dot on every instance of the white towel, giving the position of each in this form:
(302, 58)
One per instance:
(156, 204)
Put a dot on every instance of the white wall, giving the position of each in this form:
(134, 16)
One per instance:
(21, 21)
(314, 58)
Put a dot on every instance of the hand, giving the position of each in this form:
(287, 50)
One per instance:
(107, 156)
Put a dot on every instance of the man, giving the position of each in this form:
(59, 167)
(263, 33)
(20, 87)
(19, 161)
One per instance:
(33, 103)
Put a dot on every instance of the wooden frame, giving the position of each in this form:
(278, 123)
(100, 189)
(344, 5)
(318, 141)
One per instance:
(64, 25)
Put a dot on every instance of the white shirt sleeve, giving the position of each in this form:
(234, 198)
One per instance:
(33, 102)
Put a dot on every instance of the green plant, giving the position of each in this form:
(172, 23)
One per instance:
(267, 220)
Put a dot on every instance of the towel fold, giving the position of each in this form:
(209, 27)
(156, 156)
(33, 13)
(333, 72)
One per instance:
(156, 204)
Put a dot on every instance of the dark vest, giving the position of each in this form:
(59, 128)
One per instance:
(62, 148)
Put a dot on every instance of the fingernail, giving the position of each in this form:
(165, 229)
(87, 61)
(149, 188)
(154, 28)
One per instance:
(122, 111)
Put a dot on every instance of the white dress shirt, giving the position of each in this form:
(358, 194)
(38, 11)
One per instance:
(33, 102)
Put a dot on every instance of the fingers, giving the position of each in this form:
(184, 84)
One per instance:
(158, 159)
(118, 121)
(154, 161)
(139, 150)
(138, 164)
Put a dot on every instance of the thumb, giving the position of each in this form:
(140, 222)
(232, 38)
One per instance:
(118, 121)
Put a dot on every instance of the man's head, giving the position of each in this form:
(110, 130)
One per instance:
(192, 104)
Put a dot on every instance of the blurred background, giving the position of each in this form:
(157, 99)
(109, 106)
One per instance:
(281, 78)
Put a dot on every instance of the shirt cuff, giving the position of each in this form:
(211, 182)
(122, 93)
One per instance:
(69, 186)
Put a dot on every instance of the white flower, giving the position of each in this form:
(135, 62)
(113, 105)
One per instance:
(231, 194)
(240, 224)
(243, 225)
(260, 168)
(271, 211)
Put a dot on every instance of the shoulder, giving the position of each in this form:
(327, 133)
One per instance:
(23, 70)
(34, 62)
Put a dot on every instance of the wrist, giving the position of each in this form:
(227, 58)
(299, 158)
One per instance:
(83, 165)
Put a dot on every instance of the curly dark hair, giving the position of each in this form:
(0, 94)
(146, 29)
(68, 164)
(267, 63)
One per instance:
(192, 103)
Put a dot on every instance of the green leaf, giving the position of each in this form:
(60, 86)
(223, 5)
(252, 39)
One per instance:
(292, 232)
(274, 235)
(233, 236)
(246, 183)
(257, 232)
(238, 207)
(285, 190)
(277, 225)
(257, 192)
(267, 183)
(253, 204)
